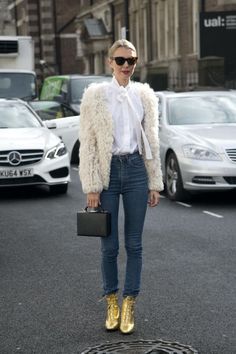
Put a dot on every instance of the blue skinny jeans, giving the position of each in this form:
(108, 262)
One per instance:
(128, 178)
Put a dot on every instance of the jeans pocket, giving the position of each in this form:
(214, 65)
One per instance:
(137, 161)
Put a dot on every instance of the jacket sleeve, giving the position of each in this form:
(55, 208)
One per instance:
(151, 122)
(89, 164)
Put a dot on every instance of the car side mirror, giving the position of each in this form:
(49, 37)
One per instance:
(51, 125)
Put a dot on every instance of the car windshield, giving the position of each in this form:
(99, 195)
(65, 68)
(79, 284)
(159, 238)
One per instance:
(20, 85)
(14, 115)
(51, 110)
(78, 86)
(202, 110)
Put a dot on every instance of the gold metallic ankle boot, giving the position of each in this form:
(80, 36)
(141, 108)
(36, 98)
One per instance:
(113, 312)
(127, 315)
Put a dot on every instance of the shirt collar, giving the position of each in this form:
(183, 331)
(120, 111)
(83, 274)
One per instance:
(116, 84)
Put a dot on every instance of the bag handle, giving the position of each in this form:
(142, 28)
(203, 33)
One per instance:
(99, 209)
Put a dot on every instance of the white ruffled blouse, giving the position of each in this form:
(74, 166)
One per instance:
(127, 113)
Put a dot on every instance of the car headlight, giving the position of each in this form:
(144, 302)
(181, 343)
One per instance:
(56, 151)
(200, 153)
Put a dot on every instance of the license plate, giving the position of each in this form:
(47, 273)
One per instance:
(15, 173)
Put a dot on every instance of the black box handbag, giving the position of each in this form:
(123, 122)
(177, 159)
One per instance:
(93, 223)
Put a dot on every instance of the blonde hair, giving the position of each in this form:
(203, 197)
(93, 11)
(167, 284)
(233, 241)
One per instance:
(120, 43)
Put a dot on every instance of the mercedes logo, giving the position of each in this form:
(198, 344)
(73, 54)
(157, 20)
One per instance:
(14, 158)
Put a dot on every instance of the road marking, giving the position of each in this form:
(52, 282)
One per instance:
(204, 211)
(75, 168)
(212, 214)
(184, 204)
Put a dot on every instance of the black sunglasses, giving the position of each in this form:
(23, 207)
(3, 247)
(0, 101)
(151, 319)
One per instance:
(121, 60)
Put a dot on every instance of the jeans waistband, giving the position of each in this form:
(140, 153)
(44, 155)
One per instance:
(125, 156)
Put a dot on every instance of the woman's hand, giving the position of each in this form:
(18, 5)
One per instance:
(93, 200)
(154, 198)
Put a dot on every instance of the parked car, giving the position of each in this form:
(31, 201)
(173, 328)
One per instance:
(30, 154)
(68, 88)
(63, 121)
(197, 142)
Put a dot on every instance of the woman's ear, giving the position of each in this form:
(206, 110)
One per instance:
(109, 62)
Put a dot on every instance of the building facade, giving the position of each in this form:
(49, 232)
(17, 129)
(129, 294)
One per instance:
(166, 34)
(51, 25)
(74, 37)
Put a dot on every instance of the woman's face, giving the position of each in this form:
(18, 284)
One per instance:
(123, 72)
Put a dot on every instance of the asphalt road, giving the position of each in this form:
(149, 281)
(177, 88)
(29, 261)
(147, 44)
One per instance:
(50, 283)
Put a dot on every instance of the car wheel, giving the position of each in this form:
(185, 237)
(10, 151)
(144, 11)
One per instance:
(75, 153)
(59, 189)
(173, 180)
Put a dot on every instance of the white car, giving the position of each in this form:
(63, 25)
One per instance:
(63, 121)
(197, 142)
(29, 153)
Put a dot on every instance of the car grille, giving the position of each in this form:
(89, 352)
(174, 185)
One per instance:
(28, 157)
(231, 154)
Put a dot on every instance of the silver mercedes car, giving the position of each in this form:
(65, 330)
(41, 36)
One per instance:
(197, 141)
(30, 154)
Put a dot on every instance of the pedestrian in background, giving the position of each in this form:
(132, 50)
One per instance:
(119, 155)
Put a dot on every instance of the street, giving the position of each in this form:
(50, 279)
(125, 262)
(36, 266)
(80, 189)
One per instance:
(50, 282)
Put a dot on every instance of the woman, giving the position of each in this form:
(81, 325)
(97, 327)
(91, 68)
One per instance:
(119, 155)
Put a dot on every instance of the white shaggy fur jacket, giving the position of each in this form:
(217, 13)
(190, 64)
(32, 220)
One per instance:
(96, 138)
